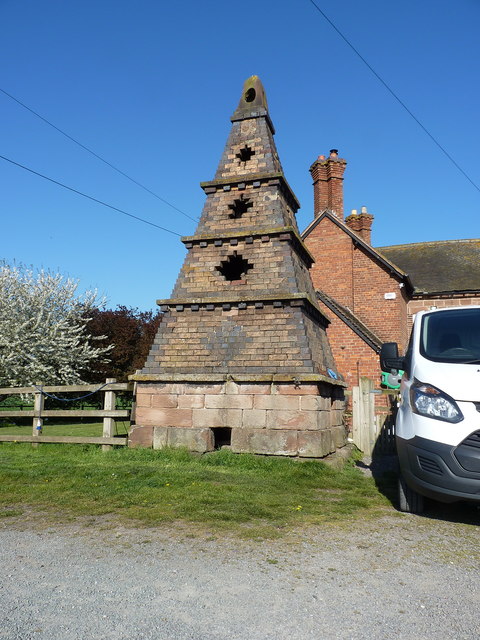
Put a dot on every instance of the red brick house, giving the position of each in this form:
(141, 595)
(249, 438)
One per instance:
(370, 294)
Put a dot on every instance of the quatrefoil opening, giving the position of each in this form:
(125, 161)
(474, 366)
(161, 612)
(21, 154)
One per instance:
(234, 267)
(240, 206)
(245, 153)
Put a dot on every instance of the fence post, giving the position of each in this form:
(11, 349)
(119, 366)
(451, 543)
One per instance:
(109, 404)
(367, 386)
(38, 404)
(133, 410)
(356, 418)
(364, 428)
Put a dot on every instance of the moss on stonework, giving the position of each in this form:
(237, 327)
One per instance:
(268, 378)
(253, 177)
(270, 231)
(284, 297)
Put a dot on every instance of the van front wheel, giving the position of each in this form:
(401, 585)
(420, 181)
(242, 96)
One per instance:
(409, 500)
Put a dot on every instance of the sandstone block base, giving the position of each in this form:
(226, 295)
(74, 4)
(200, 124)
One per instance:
(288, 419)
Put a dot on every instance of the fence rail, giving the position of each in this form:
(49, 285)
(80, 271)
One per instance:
(108, 414)
(67, 440)
(68, 413)
(70, 388)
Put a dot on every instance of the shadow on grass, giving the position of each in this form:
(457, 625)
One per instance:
(384, 469)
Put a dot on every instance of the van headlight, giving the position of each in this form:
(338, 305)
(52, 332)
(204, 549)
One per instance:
(428, 401)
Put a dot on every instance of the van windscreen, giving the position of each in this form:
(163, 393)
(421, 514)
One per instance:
(451, 336)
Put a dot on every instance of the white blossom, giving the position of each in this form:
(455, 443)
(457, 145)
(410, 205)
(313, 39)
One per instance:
(43, 337)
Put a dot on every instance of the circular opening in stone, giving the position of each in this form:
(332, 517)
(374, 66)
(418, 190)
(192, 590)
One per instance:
(250, 95)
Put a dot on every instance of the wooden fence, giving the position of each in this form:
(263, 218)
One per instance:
(373, 426)
(109, 413)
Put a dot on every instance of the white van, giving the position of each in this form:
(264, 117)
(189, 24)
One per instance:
(437, 428)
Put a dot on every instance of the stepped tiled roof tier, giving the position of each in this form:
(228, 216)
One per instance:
(241, 357)
(244, 302)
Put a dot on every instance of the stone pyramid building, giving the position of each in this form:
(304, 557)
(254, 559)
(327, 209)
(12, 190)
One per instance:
(241, 357)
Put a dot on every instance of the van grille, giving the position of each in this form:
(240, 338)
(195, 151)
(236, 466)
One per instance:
(427, 464)
(468, 452)
(473, 440)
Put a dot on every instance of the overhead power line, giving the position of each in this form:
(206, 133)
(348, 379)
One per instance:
(112, 166)
(84, 195)
(392, 92)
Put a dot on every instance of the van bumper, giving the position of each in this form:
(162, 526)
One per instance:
(440, 471)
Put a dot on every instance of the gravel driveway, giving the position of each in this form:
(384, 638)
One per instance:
(400, 576)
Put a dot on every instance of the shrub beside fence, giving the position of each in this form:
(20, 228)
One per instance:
(109, 413)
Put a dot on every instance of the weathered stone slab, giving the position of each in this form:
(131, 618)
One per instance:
(324, 419)
(161, 387)
(191, 402)
(255, 389)
(292, 420)
(164, 401)
(254, 418)
(310, 444)
(142, 416)
(160, 437)
(310, 403)
(297, 390)
(198, 440)
(265, 441)
(277, 402)
(328, 443)
(339, 435)
(143, 400)
(339, 415)
(140, 436)
(217, 418)
(314, 444)
(231, 387)
(170, 417)
(229, 402)
(324, 403)
(204, 389)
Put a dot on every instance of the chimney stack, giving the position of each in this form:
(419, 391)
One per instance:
(361, 224)
(327, 175)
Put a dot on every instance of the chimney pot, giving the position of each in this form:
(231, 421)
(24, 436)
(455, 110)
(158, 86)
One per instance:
(361, 224)
(327, 174)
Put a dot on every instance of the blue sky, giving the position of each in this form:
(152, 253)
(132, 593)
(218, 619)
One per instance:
(151, 85)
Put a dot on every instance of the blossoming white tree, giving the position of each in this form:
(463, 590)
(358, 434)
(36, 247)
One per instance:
(43, 335)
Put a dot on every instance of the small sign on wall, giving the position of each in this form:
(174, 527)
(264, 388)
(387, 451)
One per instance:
(390, 296)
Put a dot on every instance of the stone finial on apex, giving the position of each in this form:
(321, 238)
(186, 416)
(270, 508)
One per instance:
(253, 101)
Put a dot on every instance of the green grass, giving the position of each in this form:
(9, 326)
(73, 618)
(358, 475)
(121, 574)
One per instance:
(245, 494)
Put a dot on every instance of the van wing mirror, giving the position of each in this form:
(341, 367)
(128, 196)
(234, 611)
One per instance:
(389, 358)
